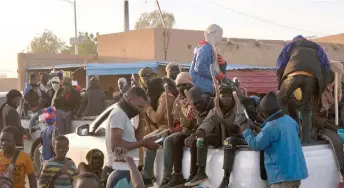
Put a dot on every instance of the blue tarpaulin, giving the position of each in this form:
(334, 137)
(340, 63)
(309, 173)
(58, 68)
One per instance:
(133, 68)
(118, 68)
(229, 66)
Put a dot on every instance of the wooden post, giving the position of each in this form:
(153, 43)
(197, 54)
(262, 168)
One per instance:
(336, 77)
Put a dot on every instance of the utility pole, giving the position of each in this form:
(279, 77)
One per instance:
(126, 15)
(74, 41)
(76, 30)
(166, 34)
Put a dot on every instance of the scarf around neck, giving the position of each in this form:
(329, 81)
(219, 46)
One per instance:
(127, 108)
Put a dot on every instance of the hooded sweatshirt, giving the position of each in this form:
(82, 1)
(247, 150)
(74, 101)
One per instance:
(70, 95)
(93, 102)
(283, 156)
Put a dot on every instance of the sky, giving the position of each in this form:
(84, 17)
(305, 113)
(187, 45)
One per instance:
(22, 20)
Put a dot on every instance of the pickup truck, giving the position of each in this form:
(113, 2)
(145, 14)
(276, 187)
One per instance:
(322, 168)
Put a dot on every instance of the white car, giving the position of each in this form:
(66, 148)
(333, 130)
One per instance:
(322, 169)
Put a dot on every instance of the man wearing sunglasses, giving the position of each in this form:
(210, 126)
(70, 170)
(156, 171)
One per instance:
(218, 131)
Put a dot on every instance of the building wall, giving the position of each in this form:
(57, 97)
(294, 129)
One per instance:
(336, 39)
(137, 44)
(7, 84)
(181, 45)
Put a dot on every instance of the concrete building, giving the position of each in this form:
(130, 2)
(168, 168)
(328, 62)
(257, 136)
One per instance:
(175, 44)
(335, 39)
(148, 45)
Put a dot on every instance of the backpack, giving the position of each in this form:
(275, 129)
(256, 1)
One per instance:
(6, 178)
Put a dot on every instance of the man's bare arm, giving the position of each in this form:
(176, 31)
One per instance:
(117, 141)
(135, 175)
(140, 131)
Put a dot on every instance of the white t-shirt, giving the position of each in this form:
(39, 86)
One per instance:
(119, 119)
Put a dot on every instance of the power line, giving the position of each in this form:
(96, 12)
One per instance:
(267, 21)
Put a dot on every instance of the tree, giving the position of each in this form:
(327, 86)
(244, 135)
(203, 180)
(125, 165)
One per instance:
(88, 45)
(152, 20)
(47, 42)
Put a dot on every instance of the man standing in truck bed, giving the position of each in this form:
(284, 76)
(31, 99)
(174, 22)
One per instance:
(302, 64)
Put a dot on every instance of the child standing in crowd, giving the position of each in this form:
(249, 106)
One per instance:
(59, 171)
(49, 133)
(14, 164)
(279, 139)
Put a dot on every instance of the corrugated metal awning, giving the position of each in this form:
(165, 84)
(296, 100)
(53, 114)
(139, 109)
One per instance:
(63, 66)
(118, 68)
(229, 66)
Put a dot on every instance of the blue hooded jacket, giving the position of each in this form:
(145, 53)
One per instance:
(283, 156)
(200, 68)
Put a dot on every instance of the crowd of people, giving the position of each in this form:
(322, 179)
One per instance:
(194, 109)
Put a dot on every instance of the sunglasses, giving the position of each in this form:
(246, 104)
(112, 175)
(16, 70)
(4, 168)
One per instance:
(182, 85)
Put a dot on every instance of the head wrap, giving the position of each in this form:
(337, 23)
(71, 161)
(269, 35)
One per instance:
(213, 34)
(173, 64)
(93, 152)
(49, 115)
(146, 71)
(123, 80)
(327, 97)
(298, 37)
(227, 86)
(184, 78)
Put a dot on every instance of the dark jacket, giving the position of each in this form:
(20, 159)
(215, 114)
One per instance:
(211, 126)
(304, 55)
(93, 102)
(33, 98)
(71, 102)
(10, 117)
(62, 122)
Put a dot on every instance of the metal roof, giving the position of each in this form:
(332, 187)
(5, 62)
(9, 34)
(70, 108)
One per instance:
(229, 66)
(258, 81)
(63, 66)
(118, 68)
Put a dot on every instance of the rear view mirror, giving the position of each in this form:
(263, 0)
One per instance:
(83, 130)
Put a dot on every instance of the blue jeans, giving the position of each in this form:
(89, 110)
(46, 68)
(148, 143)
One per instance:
(34, 118)
(168, 157)
(148, 166)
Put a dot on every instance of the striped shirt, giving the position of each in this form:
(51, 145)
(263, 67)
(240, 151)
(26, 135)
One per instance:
(64, 180)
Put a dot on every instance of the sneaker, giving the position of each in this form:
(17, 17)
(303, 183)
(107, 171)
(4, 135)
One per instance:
(198, 179)
(190, 178)
(176, 181)
(148, 182)
(164, 181)
(224, 183)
